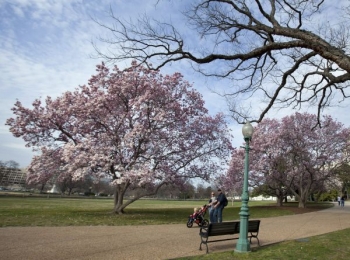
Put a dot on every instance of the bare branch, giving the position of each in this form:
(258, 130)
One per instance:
(271, 49)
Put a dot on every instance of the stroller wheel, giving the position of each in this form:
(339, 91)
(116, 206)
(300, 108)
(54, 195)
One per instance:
(189, 224)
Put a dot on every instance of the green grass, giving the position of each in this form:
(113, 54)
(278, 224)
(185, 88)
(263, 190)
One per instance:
(329, 246)
(48, 211)
(56, 211)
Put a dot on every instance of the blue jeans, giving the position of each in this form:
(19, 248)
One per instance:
(218, 213)
(212, 217)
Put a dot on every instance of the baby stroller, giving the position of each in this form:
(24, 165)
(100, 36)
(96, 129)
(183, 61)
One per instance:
(198, 218)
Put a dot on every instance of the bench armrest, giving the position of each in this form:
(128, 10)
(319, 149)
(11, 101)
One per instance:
(203, 232)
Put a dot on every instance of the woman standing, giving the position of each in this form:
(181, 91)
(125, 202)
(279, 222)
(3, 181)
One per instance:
(212, 203)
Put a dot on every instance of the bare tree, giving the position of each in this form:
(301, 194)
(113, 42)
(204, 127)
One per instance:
(288, 53)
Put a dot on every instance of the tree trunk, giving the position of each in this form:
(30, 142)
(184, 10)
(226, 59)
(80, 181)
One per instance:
(119, 193)
(279, 196)
(302, 203)
(118, 201)
(279, 201)
(42, 187)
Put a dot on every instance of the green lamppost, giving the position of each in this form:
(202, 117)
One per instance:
(243, 244)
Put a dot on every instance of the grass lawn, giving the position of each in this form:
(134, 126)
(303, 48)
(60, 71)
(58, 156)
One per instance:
(56, 211)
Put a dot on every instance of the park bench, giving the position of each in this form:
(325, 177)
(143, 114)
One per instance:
(227, 228)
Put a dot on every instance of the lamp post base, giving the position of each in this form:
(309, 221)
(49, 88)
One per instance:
(243, 247)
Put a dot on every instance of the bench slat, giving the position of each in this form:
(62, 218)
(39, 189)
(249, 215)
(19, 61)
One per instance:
(225, 228)
(253, 226)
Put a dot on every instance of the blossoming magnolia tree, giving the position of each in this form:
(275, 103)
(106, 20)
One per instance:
(134, 127)
(293, 156)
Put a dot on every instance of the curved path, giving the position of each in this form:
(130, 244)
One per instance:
(155, 241)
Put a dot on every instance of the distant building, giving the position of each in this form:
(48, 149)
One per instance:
(12, 177)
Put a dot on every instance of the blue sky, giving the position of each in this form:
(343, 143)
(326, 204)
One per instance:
(45, 49)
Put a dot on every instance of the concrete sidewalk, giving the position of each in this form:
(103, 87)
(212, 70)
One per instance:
(153, 242)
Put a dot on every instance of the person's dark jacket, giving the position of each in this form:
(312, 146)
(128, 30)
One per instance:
(221, 198)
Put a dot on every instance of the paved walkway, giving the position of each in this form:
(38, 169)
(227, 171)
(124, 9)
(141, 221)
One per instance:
(152, 242)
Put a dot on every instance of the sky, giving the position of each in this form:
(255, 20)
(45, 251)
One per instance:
(46, 49)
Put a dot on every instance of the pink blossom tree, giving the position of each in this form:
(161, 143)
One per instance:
(269, 156)
(293, 156)
(232, 181)
(134, 127)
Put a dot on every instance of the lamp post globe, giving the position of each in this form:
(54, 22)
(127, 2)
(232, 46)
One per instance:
(243, 244)
(247, 131)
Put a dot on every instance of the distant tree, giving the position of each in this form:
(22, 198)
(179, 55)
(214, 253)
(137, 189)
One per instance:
(201, 192)
(232, 181)
(69, 185)
(188, 191)
(343, 176)
(208, 191)
(134, 127)
(11, 164)
(291, 156)
(273, 162)
(330, 195)
(45, 168)
(169, 191)
(286, 53)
